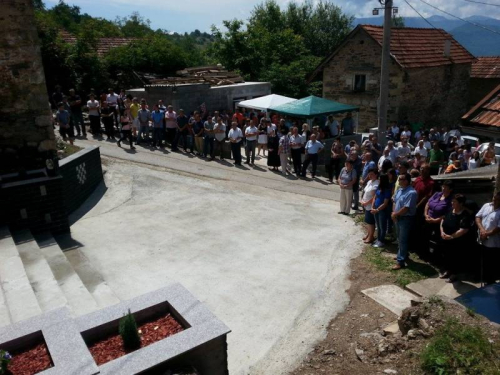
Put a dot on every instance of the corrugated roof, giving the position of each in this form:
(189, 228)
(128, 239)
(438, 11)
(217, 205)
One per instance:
(105, 44)
(419, 47)
(486, 67)
(487, 111)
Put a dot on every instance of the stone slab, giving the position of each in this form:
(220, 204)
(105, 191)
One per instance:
(439, 287)
(391, 297)
(392, 328)
(202, 325)
(80, 301)
(64, 342)
(19, 296)
(93, 281)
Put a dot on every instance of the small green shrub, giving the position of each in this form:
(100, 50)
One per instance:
(460, 349)
(129, 333)
(5, 358)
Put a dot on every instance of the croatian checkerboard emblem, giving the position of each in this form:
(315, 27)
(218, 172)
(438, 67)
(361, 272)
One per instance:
(81, 173)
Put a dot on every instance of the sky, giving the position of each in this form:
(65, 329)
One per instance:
(188, 15)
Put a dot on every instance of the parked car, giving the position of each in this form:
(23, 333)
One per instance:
(474, 141)
(484, 146)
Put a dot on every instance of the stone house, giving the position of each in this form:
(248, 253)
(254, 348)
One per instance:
(429, 75)
(484, 77)
(483, 120)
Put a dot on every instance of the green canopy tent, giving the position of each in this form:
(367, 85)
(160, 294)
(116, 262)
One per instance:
(313, 106)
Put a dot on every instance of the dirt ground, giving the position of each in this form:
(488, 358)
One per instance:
(356, 343)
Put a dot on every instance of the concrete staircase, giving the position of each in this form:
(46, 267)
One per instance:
(37, 276)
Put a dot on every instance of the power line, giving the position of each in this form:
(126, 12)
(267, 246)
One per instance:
(461, 19)
(416, 11)
(480, 2)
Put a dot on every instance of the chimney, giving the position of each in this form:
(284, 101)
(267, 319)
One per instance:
(447, 48)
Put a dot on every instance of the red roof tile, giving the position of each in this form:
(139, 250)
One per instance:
(105, 44)
(487, 111)
(486, 67)
(419, 48)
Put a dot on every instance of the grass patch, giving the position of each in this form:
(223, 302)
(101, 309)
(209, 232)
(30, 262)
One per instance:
(460, 349)
(415, 271)
(66, 148)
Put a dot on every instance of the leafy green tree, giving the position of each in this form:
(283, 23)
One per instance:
(282, 46)
(134, 25)
(397, 21)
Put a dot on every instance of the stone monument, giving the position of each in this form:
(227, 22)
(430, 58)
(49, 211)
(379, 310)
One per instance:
(26, 131)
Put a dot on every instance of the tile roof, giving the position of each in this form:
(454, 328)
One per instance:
(421, 48)
(105, 44)
(486, 67)
(487, 111)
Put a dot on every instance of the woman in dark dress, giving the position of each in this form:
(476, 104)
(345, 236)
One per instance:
(273, 159)
(454, 242)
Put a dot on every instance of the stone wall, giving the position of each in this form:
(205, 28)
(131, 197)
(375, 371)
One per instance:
(26, 132)
(361, 55)
(435, 95)
(190, 97)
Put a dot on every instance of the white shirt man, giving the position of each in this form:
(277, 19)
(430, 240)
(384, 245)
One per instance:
(112, 99)
(251, 133)
(421, 150)
(404, 151)
(171, 118)
(220, 130)
(235, 135)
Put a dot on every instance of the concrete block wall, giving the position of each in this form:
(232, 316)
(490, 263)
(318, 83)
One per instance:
(36, 204)
(26, 132)
(42, 203)
(190, 97)
(81, 174)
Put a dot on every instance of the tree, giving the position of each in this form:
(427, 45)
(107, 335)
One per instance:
(397, 21)
(282, 46)
(134, 25)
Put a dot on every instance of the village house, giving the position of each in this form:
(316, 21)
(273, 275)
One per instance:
(429, 75)
(483, 120)
(484, 77)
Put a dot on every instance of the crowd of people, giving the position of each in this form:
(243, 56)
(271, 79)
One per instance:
(392, 185)
(124, 118)
(404, 204)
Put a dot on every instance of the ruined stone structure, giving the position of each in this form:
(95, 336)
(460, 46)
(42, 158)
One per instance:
(429, 75)
(26, 132)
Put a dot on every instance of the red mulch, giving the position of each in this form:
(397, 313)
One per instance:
(31, 361)
(112, 347)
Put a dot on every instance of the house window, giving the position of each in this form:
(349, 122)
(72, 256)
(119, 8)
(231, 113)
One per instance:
(359, 83)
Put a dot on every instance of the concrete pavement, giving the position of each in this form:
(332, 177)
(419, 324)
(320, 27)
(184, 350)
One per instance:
(193, 165)
(271, 264)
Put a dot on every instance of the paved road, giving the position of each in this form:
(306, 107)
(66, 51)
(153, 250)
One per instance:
(272, 264)
(190, 164)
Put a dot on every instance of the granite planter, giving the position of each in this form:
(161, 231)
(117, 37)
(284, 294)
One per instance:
(66, 347)
(202, 344)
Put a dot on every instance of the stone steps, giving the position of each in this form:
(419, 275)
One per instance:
(19, 298)
(37, 276)
(79, 299)
(42, 280)
(92, 279)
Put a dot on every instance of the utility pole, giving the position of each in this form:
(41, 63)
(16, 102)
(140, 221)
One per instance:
(384, 75)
